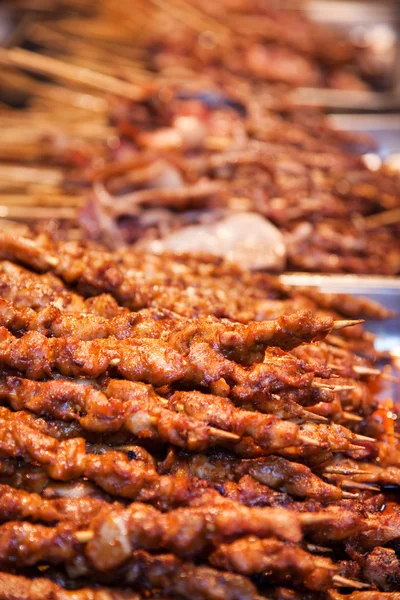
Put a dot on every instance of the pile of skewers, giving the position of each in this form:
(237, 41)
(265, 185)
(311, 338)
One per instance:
(177, 428)
(175, 119)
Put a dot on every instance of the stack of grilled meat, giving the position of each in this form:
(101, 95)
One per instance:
(174, 427)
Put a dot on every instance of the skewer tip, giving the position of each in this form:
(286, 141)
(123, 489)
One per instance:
(344, 582)
(348, 416)
(346, 323)
(361, 370)
(348, 483)
(221, 434)
(363, 438)
(315, 518)
(349, 496)
(344, 471)
(52, 261)
(332, 388)
(307, 414)
(84, 536)
(343, 388)
(307, 441)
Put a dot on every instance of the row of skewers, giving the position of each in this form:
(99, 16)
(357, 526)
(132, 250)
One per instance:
(174, 427)
(176, 122)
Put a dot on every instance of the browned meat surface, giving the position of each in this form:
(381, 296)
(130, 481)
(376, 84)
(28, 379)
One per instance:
(176, 453)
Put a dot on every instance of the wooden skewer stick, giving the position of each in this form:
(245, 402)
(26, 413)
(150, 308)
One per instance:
(346, 323)
(389, 377)
(348, 416)
(306, 414)
(348, 483)
(308, 441)
(192, 17)
(344, 471)
(52, 200)
(316, 518)
(24, 59)
(388, 217)
(344, 582)
(361, 370)
(349, 495)
(332, 388)
(364, 438)
(343, 388)
(224, 435)
(84, 536)
(28, 213)
(354, 448)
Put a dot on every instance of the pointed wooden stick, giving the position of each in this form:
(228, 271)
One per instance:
(315, 548)
(191, 16)
(37, 213)
(389, 377)
(349, 495)
(84, 536)
(343, 388)
(39, 199)
(344, 471)
(348, 416)
(388, 217)
(306, 414)
(316, 518)
(321, 386)
(364, 438)
(224, 435)
(361, 370)
(346, 323)
(45, 65)
(348, 483)
(308, 441)
(332, 388)
(344, 582)
(354, 448)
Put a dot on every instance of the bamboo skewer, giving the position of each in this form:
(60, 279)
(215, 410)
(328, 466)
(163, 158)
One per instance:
(388, 217)
(27, 174)
(344, 471)
(193, 17)
(351, 417)
(24, 59)
(43, 200)
(344, 582)
(26, 213)
(84, 536)
(346, 323)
